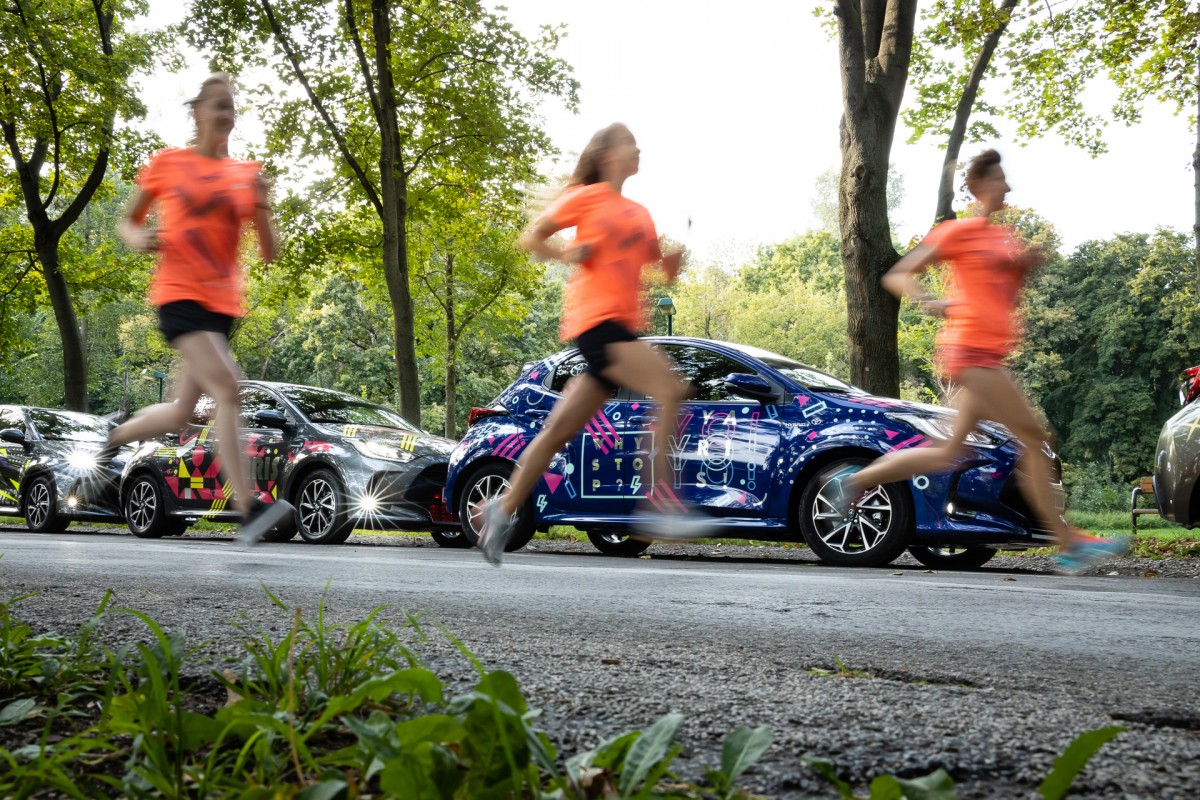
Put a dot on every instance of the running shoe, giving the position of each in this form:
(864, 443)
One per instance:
(261, 519)
(682, 525)
(1085, 553)
(837, 492)
(494, 532)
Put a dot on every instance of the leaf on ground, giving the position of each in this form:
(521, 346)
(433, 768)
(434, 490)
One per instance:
(610, 661)
(17, 710)
(231, 697)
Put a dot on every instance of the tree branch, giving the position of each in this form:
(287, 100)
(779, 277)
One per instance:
(363, 64)
(289, 51)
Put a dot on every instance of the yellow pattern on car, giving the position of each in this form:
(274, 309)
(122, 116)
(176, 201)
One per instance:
(408, 443)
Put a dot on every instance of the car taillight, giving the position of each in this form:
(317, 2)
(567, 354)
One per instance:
(1190, 389)
(483, 413)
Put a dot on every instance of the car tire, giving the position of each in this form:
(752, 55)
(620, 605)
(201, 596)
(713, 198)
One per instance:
(452, 539)
(615, 543)
(950, 557)
(145, 510)
(481, 485)
(875, 535)
(40, 501)
(322, 516)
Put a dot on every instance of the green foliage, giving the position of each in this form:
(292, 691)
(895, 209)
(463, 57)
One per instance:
(1110, 328)
(1072, 760)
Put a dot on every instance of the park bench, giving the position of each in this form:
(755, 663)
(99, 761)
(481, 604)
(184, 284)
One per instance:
(1145, 488)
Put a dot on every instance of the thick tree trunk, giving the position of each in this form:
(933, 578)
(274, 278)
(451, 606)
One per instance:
(876, 46)
(945, 201)
(74, 360)
(1196, 175)
(451, 353)
(394, 191)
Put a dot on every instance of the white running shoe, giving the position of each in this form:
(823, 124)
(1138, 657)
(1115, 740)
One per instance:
(494, 532)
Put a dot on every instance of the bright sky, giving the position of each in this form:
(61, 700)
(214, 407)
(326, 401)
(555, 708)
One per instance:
(736, 106)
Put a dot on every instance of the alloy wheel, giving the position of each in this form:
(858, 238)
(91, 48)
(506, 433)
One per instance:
(38, 507)
(477, 497)
(318, 506)
(142, 505)
(863, 529)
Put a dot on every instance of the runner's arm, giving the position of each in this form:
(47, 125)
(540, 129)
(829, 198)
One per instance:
(264, 223)
(901, 279)
(132, 226)
(534, 241)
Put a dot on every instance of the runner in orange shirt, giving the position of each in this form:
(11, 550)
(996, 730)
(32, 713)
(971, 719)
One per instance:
(204, 199)
(988, 268)
(614, 240)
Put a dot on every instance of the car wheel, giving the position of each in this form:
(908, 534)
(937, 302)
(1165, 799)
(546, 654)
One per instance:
(482, 485)
(456, 539)
(41, 507)
(145, 510)
(321, 513)
(615, 543)
(952, 557)
(877, 531)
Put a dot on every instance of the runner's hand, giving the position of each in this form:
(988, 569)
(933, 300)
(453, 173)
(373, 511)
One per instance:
(935, 308)
(142, 239)
(577, 253)
(672, 264)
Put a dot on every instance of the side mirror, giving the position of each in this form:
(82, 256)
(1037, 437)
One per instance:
(270, 418)
(12, 435)
(755, 387)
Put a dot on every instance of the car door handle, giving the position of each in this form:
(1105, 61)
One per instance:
(538, 413)
(641, 420)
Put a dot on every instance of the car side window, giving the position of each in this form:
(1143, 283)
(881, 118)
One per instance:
(571, 367)
(205, 412)
(255, 400)
(705, 370)
(13, 418)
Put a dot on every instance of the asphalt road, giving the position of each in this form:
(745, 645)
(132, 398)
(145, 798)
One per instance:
(988, 674)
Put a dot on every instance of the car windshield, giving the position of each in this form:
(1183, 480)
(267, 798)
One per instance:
(324, 406)
(806, 376)
(69, 425)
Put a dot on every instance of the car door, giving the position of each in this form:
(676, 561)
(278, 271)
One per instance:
(723, 446)
(265, 444)
(13, 457)
(189, 462)
(594, 473)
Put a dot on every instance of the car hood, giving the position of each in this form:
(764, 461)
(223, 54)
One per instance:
(418, 443)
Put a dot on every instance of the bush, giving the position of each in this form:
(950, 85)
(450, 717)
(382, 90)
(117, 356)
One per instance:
(1091, 487)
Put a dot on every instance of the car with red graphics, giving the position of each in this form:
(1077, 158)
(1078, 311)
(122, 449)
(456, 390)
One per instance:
(342, 461)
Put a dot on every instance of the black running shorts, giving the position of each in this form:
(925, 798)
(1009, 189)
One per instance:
(593, 345)
(185, 316)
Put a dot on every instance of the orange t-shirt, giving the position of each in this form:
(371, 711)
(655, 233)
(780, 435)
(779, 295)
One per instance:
(623, 241)
(202, 205)
(986, 279)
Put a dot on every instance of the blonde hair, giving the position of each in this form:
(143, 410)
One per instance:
(587, 171)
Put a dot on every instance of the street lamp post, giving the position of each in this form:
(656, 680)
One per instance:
(666, 306)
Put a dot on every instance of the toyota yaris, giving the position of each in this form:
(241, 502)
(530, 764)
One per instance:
(342, 461)
(752, 449)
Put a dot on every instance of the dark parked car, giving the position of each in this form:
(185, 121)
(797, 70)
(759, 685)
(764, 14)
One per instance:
(1177, 461)
(45, 456)
(341, 461)
(752, 449)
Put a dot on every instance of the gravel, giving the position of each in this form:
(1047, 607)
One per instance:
(997, 733)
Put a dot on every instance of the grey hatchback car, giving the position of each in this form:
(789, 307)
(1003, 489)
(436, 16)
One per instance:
(1177, 460)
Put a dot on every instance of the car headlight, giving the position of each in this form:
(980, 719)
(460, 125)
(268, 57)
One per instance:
(943, 428)
(373, 448)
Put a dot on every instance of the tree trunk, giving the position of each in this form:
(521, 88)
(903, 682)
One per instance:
(394, 191)
(451, 353)
(945, 201)
(876, 46)
(74, 360)
(1196, 174)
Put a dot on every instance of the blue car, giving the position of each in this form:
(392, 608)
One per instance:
(753, 448)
